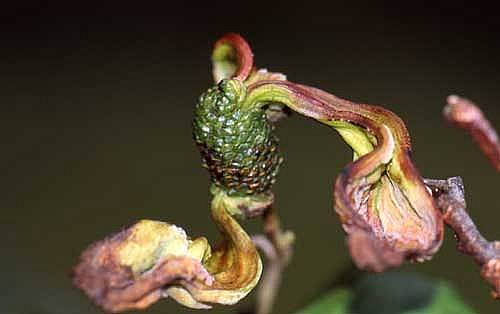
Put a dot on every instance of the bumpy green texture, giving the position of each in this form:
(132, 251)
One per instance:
(237, 143)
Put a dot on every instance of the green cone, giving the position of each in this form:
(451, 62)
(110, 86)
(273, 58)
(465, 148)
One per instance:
(237, 143)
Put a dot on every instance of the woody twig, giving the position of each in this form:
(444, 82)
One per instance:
(450, 194)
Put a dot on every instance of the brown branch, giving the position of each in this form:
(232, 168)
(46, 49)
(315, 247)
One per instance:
(467, 115)
(276, 245)
(449, 195)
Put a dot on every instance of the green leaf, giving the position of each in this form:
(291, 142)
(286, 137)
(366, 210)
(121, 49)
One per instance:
(335, 302)
(391, 293)
(446, 300)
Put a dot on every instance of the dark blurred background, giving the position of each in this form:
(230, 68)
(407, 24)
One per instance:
(97, 104)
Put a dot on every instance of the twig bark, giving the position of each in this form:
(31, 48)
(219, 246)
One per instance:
(467, 115)
(277, 246)
(450, 194)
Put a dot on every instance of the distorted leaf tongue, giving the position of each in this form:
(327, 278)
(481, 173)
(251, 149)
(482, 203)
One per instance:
(380, 197)
(386, 209)
(150, 260)
(141, 264)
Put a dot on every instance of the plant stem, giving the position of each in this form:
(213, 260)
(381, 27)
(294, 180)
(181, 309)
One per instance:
(450, 197)
(277, 246)
(467, 115)
(450, 194)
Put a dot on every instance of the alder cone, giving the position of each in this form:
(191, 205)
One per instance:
(237, 144)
